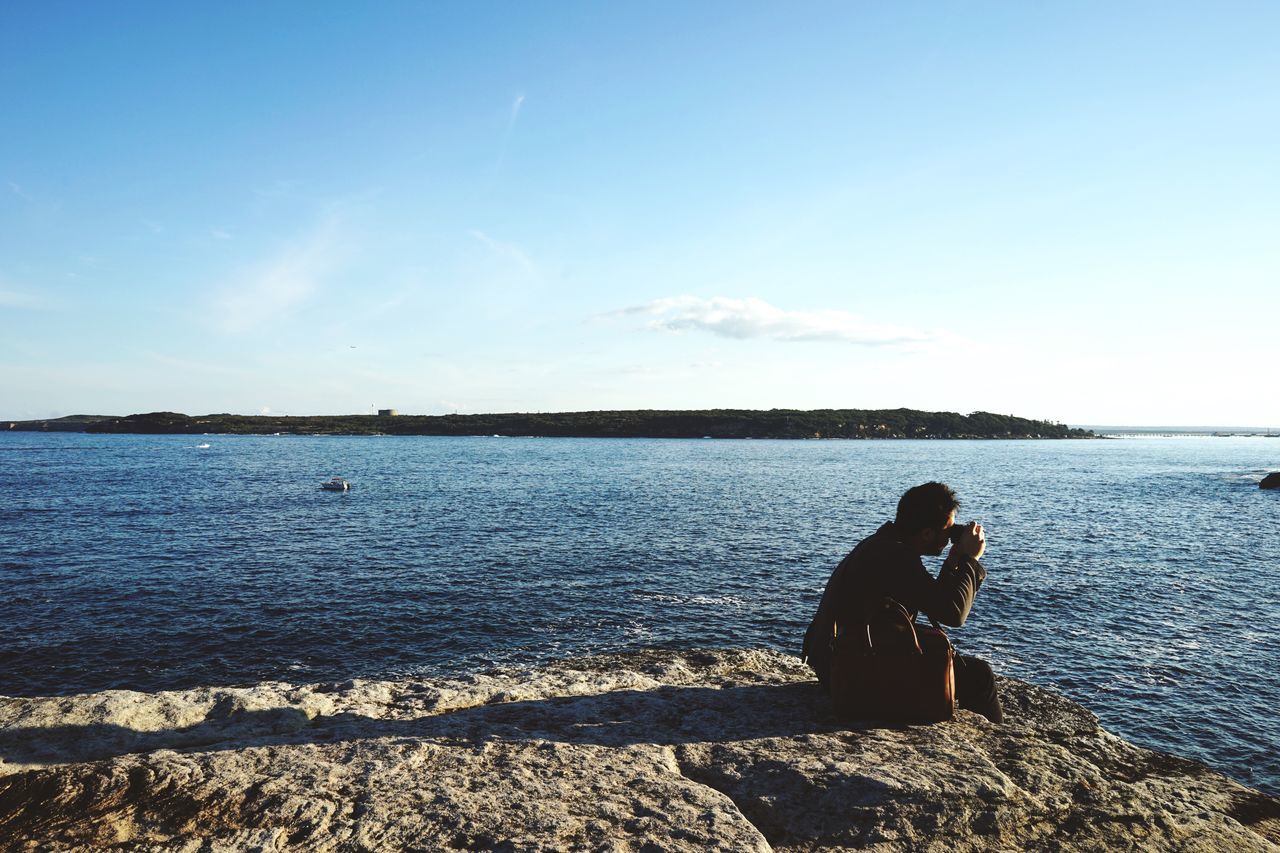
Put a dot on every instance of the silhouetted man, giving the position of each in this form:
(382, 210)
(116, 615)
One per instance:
(887, 563)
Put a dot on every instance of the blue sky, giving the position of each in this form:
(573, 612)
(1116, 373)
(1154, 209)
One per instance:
(1064, 211)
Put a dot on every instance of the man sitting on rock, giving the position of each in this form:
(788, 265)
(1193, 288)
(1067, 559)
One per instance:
(887, 563)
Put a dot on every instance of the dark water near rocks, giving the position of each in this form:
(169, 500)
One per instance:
(1140, 577)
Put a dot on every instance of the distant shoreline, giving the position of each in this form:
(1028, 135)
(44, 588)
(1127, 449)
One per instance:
(644, 423)
(1180, 432)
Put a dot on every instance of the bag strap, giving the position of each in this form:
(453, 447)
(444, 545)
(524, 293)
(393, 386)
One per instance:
(884, 603)
(938, 628)
(906, 618)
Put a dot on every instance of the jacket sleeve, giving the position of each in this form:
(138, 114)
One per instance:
(949, 598)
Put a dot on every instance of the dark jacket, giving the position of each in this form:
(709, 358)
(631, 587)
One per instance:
(882, 566)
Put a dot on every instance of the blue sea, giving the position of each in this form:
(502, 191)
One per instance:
(1137, 576)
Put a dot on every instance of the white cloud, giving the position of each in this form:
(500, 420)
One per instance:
(747, 318)
(220, 234)
(515, 110)
(285, 280)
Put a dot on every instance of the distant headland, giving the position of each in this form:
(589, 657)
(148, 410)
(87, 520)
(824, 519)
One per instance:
(642, 423)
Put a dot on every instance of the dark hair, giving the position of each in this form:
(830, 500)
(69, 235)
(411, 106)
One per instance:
(924, 506)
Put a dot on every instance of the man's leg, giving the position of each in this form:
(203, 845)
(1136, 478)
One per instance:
(976, 688)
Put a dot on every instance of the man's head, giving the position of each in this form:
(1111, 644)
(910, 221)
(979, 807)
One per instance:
(924, 514)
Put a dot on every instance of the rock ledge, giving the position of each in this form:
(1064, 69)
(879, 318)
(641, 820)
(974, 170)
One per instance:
(652, 750)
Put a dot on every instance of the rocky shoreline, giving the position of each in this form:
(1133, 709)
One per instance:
(658, 750)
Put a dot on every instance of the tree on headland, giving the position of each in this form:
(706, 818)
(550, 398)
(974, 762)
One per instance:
(642, 423)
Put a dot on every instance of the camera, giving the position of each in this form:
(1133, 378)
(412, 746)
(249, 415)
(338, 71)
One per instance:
(955, 531)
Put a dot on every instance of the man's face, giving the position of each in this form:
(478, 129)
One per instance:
(940, 536)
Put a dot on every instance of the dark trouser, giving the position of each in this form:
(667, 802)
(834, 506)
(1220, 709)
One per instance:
(976, 688)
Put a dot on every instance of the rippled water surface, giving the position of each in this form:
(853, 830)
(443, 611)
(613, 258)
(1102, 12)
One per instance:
(1140, 576)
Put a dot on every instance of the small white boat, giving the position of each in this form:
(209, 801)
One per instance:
(337, 484)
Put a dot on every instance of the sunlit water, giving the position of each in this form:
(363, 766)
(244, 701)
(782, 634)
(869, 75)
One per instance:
(1140, 577)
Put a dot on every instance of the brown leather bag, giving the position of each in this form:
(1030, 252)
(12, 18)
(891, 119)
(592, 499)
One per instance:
(889, 668)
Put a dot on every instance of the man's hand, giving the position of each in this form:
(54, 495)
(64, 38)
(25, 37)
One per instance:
(972, 543)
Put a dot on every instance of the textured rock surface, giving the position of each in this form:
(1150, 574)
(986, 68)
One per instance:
(652, 750)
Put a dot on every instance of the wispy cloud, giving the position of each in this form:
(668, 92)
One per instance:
(515, 111)
(283, 281)
(17, 190)
(386, 305)
(16, 299)
(748, 318)
(11, 297)
(185, 363)
(647, 369)
(512, 117)
(509, 251)
(279, 189)
(220, 234)
(35, 201)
